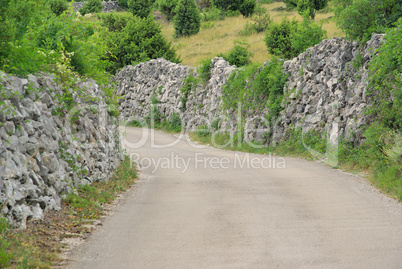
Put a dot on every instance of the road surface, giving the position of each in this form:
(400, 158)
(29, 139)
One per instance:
(209, 208)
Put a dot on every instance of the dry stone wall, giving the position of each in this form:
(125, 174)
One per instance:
(325, 92)
(43, 154)
(108, 6)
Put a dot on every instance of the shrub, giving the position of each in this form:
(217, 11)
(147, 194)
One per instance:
(232, 13)
(359, 19)
(92, 6)
(131, 40)
(289, 38)
(123, 3)
(167, 7)
(140, 8)
(187, 20)
(58, 6)
(278, 38)
(247, 7)
(238, 55)
(226, 5)
(210, 14)
(385, 80)
(75, 40)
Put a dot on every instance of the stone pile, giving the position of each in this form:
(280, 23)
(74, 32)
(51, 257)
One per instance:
(44, 154)
(108, 6)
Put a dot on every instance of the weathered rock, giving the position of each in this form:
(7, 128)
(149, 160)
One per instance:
(38, 150)
(324, 86)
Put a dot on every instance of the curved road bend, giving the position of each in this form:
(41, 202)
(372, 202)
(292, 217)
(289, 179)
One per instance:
(225, 211)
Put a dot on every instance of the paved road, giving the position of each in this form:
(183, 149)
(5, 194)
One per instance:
(244, 214)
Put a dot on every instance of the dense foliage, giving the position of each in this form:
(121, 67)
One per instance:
(247, 7)
(140, 8)
(187, 20)
(167, 8)
(359, 19)
(290, 38)
(123, 3)
(227, 5)
(58, 6)
(131, 40)
(385, 75)
(238, 55)
(92, 6)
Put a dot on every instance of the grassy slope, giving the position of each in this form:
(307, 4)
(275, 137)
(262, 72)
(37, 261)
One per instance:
(219, 39)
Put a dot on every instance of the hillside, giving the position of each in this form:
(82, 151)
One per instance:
(219, 39)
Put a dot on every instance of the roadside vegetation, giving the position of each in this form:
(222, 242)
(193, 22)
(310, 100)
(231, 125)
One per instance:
(40, 244)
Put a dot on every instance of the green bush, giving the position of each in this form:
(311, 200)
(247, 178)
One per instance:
(140, 8)
(211, 14)
(123, 3)
(359, 19)
(187, 20)
(238, 55)
(78, 41)
(278, 38)
(92, 6)
(228, 7)
(247, 7)
(385, 80)
(167, 7)
(58, 6)
(232, 13)
(290, 38)
(15, 16)
(131, 40)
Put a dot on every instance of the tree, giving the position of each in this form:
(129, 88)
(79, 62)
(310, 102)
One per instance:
(131, 40)
(307, 6)
(359, 19)
(247, 7)
(187, 20)
(238, 55)
(289, 38)
(140, 8)
(167, 7)
(92, 6)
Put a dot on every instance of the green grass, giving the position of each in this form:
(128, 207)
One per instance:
(218, 36)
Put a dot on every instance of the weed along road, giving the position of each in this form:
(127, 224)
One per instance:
(200, 207)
